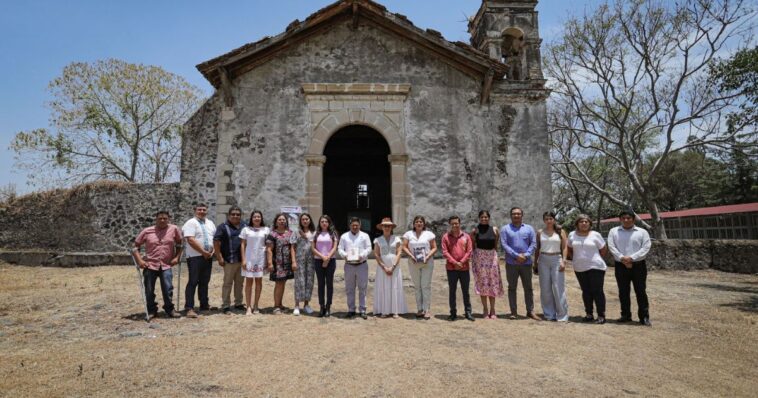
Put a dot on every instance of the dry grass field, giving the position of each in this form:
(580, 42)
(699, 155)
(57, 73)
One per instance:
(79, 332)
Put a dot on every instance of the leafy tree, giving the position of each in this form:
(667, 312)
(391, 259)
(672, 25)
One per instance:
(740, 72)
(110, 120)
(633, 78)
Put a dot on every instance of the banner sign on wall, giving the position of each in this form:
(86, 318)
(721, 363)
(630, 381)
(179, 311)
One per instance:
(293, 216)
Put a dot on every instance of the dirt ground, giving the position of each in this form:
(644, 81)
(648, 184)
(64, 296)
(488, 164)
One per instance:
(79, 332)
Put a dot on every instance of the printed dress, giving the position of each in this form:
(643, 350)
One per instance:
(282, 260)
(389, 297)
(255, 251)
(484, 263)
(305, 271)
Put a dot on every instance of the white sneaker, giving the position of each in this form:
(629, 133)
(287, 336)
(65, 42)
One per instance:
(308, 310)
(296, 312)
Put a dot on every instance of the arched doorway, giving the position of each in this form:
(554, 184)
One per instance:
(357, 177)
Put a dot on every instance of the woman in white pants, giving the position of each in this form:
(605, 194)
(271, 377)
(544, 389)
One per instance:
(420, 246)
(549, 265)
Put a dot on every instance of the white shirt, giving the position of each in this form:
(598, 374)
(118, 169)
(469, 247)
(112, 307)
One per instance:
(419, 245)
(202, 232)
(354, 248)
(633, 242)
(586, 251)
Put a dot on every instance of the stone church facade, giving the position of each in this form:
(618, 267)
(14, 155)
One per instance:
(357, 112)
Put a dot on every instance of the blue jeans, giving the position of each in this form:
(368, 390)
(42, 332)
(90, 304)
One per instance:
(199, 270)
(167, 289)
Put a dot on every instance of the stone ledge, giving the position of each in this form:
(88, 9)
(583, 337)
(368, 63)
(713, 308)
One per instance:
(356, 88)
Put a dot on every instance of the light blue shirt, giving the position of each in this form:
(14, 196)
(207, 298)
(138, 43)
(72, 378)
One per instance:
(516, 240)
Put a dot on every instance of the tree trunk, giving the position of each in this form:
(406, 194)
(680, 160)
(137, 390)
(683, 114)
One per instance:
(659, 230)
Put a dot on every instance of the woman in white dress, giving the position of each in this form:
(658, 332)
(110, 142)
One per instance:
(253, 240)
(389, 298)
(420, 246)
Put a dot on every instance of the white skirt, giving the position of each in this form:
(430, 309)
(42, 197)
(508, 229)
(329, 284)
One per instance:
(252, 271)
(389, 297)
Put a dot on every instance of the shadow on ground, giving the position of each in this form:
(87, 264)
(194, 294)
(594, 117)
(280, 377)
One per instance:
(747, 304)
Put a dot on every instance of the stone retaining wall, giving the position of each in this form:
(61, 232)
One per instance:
(99, 217)
(740, 256)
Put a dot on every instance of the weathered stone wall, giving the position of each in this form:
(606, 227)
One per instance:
(98, 217)
(739, 256)
(199, 147)
(463, 156)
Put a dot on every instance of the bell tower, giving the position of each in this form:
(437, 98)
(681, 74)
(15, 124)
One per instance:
(508, 31)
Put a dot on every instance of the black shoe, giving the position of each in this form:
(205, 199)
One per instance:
(469, 316)
(645, 321)
(600, 320)
(240, 307)
(328, 311)
(588, 318)
(363, 315)
(322, 312)
(624, 319)
(226, 310)
(452, 317)
(350, 315)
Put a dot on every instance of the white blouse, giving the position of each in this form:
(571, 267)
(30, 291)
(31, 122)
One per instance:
(586, 251)
(419, 245)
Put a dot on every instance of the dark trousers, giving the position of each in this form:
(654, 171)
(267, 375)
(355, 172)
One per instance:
(591, 283)
(325, 277)
(452, 281)
(637, 276)
(167, 289)
(512, 274)
(199, 270)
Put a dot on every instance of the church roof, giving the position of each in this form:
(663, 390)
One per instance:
(460, 55)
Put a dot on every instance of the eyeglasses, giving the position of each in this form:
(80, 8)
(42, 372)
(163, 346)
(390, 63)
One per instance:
(235, 215)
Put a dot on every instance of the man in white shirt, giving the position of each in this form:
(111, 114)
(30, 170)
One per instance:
(198, 233)
(629, 245)
(354, 247)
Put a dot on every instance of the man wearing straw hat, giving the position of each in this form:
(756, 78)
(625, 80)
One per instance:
(162, 249)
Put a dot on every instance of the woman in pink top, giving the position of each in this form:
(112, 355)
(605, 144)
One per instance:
(324, 246)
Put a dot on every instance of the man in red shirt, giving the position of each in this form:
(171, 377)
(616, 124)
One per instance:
(163, 250)
(457, 248)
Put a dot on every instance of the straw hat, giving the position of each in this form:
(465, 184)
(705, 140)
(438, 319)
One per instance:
(386, 221)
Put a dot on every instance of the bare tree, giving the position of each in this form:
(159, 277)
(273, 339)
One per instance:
(111, 120)
(7, 192)
(634, 77)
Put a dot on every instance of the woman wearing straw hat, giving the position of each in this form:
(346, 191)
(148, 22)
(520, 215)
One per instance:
(389, 298)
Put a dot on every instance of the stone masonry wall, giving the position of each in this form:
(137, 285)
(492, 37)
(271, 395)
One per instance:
(740, 256)
(463, 156)
(98, 217)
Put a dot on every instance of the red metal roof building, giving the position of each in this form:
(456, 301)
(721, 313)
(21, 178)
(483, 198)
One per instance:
(719, 222)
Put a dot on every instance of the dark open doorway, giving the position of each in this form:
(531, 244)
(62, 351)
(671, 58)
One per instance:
(357, 178)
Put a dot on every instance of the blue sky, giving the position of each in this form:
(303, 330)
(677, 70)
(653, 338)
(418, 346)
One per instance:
(39, 38)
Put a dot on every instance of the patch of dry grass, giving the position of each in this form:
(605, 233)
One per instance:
(77, 332)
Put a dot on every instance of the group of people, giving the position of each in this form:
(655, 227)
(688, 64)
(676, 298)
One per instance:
(247, 251)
